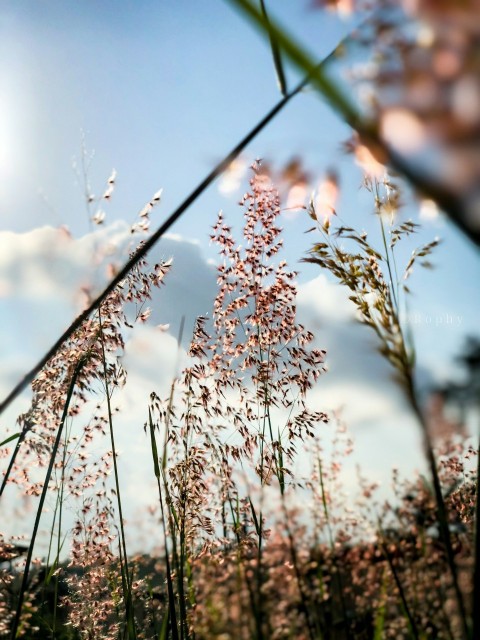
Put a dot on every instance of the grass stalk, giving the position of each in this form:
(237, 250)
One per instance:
(305, 605)
(171, 595)
(276, 55)
(48, 475)
(59, 537)
(476, 566)
(13, 457)
(406, 608)
(126, 581)
(336, 572)
(441, 509)
(181, 568)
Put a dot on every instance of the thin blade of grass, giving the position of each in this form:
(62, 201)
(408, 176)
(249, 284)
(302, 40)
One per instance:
(405, 606)
(126, 582)
(171, 612)
(302, 59)
(258, 528)
(153, 443)
(276, 55)
(56, 563)
(280, 469)
(9, 439)
(380, 614)
(162, 635)
(12, 460)
(172, 393)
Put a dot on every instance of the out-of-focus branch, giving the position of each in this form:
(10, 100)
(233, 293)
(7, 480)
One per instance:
(449, 201)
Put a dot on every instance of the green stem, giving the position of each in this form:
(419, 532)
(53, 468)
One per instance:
(401, 591)
(277, 58)
(13, 457)
(387, 257)
(171, 595)
(59, 536)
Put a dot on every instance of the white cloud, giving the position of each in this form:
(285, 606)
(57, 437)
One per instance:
(42, 273)
(360, 382)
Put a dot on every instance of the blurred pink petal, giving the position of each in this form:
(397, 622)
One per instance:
(402, 130)
(326, 196)
(232, 177)
(297, 196)
(366, 160)
(342, 7)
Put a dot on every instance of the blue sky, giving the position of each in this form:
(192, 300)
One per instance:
(160, 91)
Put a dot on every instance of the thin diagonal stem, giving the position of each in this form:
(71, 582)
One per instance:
(13, 458)
(398, 583)
(148, 244)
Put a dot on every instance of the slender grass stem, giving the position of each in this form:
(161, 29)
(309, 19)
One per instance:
(170, 591)
(337, 574)
(441, 509)
(277, 58)
(126, 582)
(13, 458)
(59, 536)
(476, 567)
(305, 605)
(390, 274)
(388, 557)
(48, 475)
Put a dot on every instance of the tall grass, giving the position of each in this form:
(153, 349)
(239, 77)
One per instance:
(240, 556)
(360, 270)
